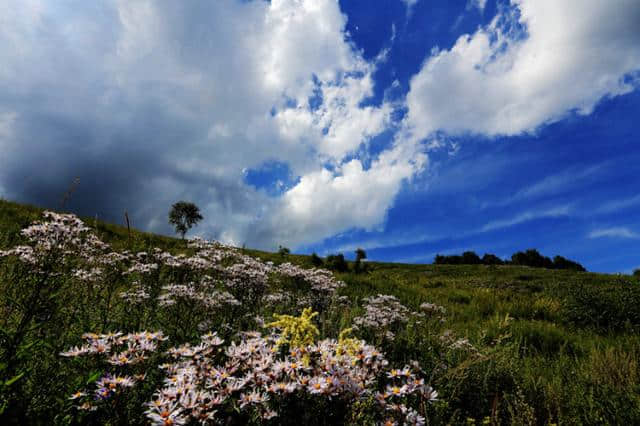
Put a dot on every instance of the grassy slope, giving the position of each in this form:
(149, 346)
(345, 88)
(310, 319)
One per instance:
(568, 347)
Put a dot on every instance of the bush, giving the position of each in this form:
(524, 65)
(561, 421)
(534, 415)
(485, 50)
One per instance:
(560, 262)
(316, 260)
(283, 251)
(360, 256)
(491, 259)
(531, 258)
(336, 262)
(467, 258)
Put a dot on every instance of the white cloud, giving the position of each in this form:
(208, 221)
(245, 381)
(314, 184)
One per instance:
(479, 4)
(158, 101)
(536, 62)
(526, 217)
(355, 197)
(615, 232)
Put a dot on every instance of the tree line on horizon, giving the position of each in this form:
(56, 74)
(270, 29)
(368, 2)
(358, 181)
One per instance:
(530, 257)
(184, 215)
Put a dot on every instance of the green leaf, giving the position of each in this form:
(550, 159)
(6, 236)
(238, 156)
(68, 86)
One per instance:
(92, 378)
(4, 332)
(28, 346)
(13, 379)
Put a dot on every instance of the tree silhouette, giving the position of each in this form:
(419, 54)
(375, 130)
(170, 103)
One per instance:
(183, 216)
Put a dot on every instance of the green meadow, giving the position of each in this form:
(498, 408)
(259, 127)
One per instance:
(500, 344)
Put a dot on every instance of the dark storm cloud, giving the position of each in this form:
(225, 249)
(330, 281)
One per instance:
(131, 167)
(147, 103)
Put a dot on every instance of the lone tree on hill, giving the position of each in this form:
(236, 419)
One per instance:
(183, 216)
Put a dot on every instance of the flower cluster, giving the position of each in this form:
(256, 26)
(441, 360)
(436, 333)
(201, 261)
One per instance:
(209, 298)
(383, 313)
(119, 350)
(433, 309)
(90, 275)
(136, 294)
(256, 375)
(321, 280)
(253, 375)
(296, 331)
(126, 349)
(449, 339)
(23, 253)
(63, 234)
(213, 251)
(278, 297)
(404, 383)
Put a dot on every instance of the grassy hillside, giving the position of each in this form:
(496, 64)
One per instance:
(499, 344)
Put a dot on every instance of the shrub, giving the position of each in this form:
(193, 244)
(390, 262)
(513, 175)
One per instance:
(491, 259)
(336, 262)
(531, 258)
(283, 251)
(316, 260)
(560, 262)
(360, 256)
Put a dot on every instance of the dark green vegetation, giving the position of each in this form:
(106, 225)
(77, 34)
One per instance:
(517, 345)
(530, 257)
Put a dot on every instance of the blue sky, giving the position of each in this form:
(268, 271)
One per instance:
(405, 127)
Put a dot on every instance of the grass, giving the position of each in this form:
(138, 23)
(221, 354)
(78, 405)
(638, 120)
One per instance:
(544, 346)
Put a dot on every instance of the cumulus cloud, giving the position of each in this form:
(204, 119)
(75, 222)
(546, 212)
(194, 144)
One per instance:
(615, 232)
(357, 197)
(537, 61)
(149, 102)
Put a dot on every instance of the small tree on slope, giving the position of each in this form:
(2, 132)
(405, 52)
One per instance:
(183, 216)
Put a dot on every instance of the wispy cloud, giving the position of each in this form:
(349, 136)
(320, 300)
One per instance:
(479, 4)
(526, 217)
(385, 241)
(616, 205)
(559, 182)
(614, 232)
(410, 4)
